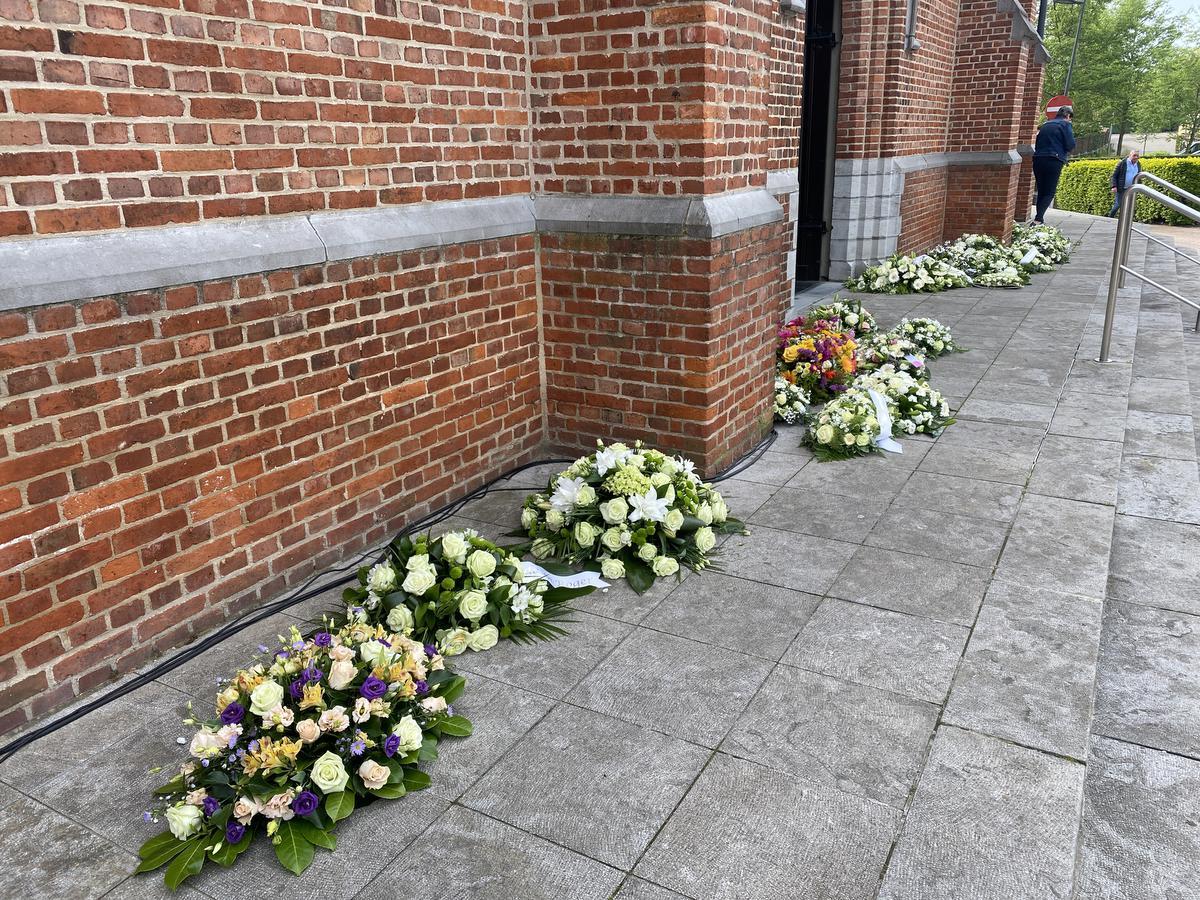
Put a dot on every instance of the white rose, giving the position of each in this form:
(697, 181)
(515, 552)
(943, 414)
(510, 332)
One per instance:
(484, 638)
(705, 539)
(612, 539)
(265, 697)
(647, 552)
(245, 809)
(862, 440)
(529, 518)
(664, 566)
(400, 619)
(433, 705)
(481, 564)
(206, 743)
(418, 581)
(453, 641)
(614, 511)
(184, 820)
(585, 534)
(674, 520)
(848, 440)
(658, 479)
(376, 653)
(542, 548)
(585, 496)
(373, 775)
(329, 774)
(410, 734)
(720, 508)
(704, 514)
(555, 520)
(612, 568)
(309, 730)
(472, 605)
(381, 579)
(455, 546)
(341, 673)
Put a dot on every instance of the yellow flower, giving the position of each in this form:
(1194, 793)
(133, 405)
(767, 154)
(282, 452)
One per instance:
(314, 697)
(790, 353)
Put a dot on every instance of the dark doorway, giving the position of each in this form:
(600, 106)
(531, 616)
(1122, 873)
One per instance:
(819, 107)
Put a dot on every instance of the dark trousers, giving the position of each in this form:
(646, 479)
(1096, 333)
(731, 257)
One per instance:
(1116, 207)
(1046, 170)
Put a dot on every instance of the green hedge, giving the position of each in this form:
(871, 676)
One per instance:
(1085, 187)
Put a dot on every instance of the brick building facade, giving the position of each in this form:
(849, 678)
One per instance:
(277, 276)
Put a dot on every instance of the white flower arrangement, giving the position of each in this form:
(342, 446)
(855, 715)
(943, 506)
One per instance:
(1052, 245)
(986, 261)
(850, 315)
(902, 274)
(846, 426)
(931, 338)
(890, 348)
(791, 402)
(636, 512)
(915, 407)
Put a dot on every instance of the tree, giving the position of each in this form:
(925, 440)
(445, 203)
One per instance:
(1122, 44)
(1172, 96)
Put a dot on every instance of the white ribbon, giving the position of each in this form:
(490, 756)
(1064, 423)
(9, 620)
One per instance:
(533, 571)
(885, 440)
(1028, 257)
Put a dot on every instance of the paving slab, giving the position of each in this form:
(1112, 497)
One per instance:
(1008, 412)
(870, 478)
(920, 585)
(670, 684)
(797, 561)
(1029, 669)
(620, 601)
(1161, 395)
(1147, 691)
(755, 619)
(880, 648)
(1154, 563)
(745, 832)
(1159, 488)
(744, 497)
(1160, 434)
(820, 513)
(1093, 416)
(989, 819)
(45, 854)
(639, 889)
(965, 496)
(1059, 544)
(939, 534)
(861, 740)
(466, 854)
(1077, 469)
(1140, 840)
(773, 468)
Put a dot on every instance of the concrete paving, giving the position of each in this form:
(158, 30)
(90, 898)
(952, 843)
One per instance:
(966, 671)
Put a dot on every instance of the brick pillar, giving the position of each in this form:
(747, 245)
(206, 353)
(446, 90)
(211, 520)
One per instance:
(1031, 117)
(664, 266)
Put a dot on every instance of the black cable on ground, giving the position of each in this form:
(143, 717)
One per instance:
(305, 592)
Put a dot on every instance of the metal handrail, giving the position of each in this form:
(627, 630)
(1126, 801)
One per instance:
(1162, 182)
(1121, 254)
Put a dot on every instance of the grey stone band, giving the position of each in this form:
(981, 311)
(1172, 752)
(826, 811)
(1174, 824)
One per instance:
(36, 271)
(921, 162)
(783, 181)
(1023, 29)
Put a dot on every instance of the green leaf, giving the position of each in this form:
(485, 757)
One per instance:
(294, 850)
(639, 575)
(158, 851)
(188, 863)
(229, 852)
(390, 791)
(416, 780)
(456, 726)
(339, 805)
(453, 689)
(563, 594)
(315, 835)
(174, 786)
(429, 751)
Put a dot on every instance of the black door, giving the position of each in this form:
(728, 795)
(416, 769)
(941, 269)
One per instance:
(816, 140)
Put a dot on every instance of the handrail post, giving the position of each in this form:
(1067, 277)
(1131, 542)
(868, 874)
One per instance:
(1120, 249)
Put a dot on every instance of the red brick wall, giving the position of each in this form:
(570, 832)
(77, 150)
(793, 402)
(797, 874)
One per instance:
(923, 210)
(918, 105)
(787, 96)
(979, 199)
(661, 336)
(129, 114)
(177, 456)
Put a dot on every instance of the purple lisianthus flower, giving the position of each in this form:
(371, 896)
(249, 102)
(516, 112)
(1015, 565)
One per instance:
(233, 713)
(234, 832)
(306, 803)
(385, 643)
(322, 639)
(391, 745)
(312, 675)
(282, 654)
(373, 688)
(296, 689)
(431, 649)
(422, 687)
(211, 805)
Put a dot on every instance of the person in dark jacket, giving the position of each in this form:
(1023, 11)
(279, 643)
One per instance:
(1122, 179)
(1055, 140)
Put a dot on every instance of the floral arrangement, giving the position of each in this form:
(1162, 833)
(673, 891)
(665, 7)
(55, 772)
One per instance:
(915, 407)
(931, 338)
(1051, 244)
(848, 315)
(636, 512)
(332, 722)
(815, 355)
(791, 402)
(891, 349)
(986, 261)
(846, 426)
(459, 592)
(902, 274)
